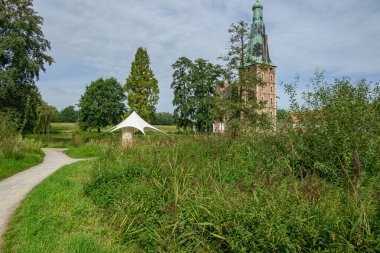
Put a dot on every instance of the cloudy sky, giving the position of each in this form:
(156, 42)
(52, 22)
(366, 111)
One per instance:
(92, 39)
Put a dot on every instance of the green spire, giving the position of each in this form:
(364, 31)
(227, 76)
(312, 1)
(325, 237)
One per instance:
(257, 51)
(257, 5)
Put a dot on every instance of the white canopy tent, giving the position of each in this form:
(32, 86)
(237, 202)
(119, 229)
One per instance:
(134, 121)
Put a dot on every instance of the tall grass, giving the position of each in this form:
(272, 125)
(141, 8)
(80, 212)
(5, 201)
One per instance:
(16, 153)
(211, 194)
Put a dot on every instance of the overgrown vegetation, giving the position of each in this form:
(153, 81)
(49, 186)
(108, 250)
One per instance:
(312, 188)
(338, 130)
(309, 188)
(16, 154)
(237, 196)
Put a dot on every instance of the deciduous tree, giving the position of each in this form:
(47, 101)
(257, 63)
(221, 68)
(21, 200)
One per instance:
(101, 104)
(194, 86)
(23, 55)
(69, 115)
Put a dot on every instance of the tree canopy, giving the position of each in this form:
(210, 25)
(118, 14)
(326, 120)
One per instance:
(68, 114)
(101, 104)
(194, 86)
(142, 87)
(23, 55)
(163, 118)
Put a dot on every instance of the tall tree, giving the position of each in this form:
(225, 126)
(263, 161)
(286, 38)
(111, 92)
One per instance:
(141, 86)
(194, 86)
(238, 103)
(22, 56)
(101, 104)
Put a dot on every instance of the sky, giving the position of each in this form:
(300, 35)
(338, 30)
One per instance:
(93, 39)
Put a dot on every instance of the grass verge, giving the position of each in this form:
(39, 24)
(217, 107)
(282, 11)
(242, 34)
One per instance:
(57, 217)
(12, 165)
(87, 150)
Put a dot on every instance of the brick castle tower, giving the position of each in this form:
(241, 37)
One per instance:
(258, 60)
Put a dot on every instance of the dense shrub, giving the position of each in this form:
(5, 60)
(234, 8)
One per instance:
(338, 133)
(202, 194)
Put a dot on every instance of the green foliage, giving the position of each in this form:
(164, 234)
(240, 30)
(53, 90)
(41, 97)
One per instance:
(194, 86)
(141, 86)
(54, 117)
(339, 128)
(238, 44)
(283, 116)
(10, 139)
(68, 115)
(203, 194)
(22, 56)
(164, 119)
(101, 104)
(45, 114)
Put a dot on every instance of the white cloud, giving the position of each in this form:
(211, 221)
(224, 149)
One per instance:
(102, 36)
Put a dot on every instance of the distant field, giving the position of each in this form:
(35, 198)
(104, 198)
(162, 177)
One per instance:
(72, 127)
(63, 127)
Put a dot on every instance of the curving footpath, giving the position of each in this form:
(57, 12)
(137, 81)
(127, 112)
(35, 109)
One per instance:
(15, 188)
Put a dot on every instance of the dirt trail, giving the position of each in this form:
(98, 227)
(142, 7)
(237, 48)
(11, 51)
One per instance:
(15, 188)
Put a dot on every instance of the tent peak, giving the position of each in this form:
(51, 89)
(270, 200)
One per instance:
(134, 121)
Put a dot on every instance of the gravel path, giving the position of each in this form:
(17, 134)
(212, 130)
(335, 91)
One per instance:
(15, 188)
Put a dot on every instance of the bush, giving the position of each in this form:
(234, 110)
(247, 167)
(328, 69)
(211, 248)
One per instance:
(10, 140)
(338, 131)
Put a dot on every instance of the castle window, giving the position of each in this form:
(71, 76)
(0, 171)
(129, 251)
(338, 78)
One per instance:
(271, 89)
(271, 101)
(271, 77)
(262, 98)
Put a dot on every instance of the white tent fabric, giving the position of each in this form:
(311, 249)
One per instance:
(135, 121)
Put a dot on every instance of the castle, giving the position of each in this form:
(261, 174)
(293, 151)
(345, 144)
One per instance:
(257, 60)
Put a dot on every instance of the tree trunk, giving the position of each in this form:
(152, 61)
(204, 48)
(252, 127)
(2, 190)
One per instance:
(98, 129)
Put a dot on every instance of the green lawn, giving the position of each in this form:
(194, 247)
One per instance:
(57, 217)
(87, 150)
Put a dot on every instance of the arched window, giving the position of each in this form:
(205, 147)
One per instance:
(271, 89)
(271, 101)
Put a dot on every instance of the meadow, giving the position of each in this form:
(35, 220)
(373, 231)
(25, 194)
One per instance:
(16, 153)
(312, 187)
(204, 193)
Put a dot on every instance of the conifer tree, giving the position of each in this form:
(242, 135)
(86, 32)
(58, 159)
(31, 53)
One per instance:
(141, 86)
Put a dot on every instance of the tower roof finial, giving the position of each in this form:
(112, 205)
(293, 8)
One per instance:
(257, 5)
